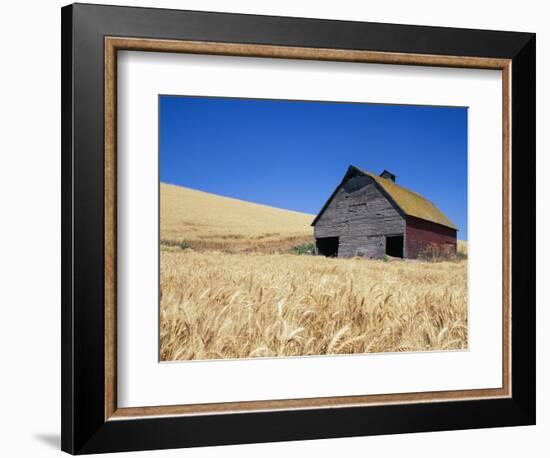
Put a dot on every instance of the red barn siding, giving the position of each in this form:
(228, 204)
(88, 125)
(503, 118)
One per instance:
(422, 236)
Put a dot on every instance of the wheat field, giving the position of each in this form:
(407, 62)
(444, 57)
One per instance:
(207, 221)
(462, 247)
(231, 287)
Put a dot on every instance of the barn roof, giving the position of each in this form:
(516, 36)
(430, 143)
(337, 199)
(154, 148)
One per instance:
(410, 202)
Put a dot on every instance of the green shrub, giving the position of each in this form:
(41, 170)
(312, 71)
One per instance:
(460, 256)
(176, 243)
(304, 248)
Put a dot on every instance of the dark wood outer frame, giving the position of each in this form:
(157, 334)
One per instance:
(90, 421)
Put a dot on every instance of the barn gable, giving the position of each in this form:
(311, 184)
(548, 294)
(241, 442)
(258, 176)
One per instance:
(357, 218)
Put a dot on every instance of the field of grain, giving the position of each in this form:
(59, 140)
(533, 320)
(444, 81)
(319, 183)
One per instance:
(462, 247)
(219, 305)
(206, 221)
(231, 287)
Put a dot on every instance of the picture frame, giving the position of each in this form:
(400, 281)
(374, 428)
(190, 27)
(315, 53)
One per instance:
(92, 35)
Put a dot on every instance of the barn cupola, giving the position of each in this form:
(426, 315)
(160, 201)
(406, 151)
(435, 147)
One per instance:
(388, 175)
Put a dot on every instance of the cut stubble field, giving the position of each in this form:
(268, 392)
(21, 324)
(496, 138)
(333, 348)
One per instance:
(231, 287)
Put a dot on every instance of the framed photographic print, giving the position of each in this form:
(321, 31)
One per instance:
(282, 228)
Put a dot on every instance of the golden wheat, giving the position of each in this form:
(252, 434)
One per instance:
(210, 222)
(217, 305)
(462, 247)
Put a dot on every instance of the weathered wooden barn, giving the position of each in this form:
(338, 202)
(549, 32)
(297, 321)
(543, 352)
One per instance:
(371, 216)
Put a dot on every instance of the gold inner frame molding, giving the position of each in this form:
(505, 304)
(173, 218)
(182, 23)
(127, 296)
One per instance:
(114, 44)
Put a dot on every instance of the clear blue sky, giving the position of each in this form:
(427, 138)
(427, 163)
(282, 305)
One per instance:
(292, 154)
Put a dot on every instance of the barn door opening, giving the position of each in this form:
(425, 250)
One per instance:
(394, 246)
(327, 246)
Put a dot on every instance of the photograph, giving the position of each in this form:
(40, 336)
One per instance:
(292, 228)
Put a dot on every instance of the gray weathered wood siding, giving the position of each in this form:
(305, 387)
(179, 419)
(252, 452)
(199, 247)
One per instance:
(361, 215)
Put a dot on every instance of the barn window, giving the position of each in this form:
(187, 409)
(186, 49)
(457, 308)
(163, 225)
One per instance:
(394, 246)
(328, 246)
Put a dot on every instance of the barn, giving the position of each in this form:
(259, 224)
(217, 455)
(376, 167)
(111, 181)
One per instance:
(370, 215)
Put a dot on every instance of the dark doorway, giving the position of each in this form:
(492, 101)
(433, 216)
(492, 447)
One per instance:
(328, 246)
(394, 246)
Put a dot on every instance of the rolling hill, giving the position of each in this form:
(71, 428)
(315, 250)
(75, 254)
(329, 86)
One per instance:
(207, 221)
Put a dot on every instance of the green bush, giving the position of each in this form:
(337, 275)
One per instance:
(304, 248)
(176, 243)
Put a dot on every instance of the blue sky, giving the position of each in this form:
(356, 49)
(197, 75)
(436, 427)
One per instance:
(292, 154)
